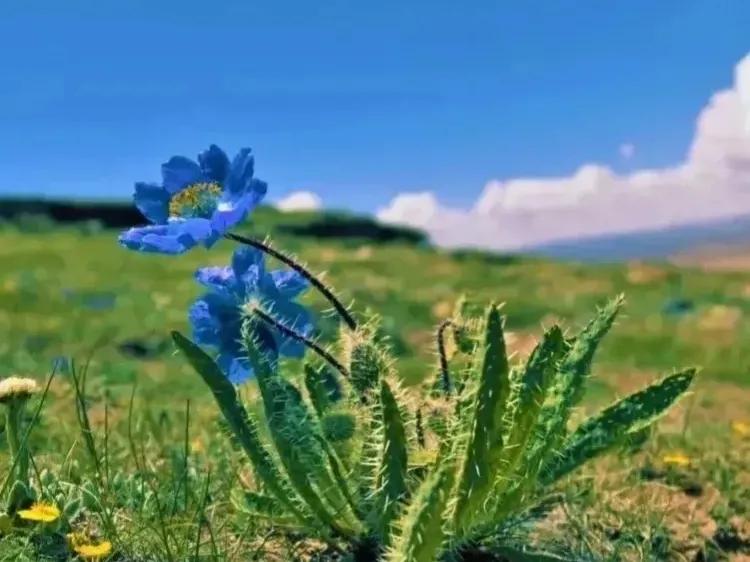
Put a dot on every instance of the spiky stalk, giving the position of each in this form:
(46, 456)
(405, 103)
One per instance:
(303, 271)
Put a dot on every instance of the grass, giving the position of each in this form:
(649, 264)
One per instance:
(161, 466)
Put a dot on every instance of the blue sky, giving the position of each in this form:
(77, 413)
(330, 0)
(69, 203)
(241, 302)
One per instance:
(355, 101)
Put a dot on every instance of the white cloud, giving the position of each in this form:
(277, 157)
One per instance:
(713, 182)
(299, 201)
(627, 150)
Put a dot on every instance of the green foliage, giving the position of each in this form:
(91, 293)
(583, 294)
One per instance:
(390, 485)
(423, 526)
(485, 439)
(367, 362)
(616, 423)
(322, 387)
(298, 444)
(485, 456)
(338, 426)
(241, 424)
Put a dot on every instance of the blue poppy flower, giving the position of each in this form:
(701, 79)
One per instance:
(196, 203)
(217, 316)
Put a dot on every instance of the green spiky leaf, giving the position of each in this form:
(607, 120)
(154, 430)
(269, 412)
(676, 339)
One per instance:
(614, 424)
(338, 426)
(298, 444)
(564, 393)
(240, 423)
(422, 525)
(577, 364)
(567, 388)
(485, 441)
(390, 484)
(530, 392)
(368, 364)
(322, 387)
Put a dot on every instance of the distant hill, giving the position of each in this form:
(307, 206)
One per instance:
(707, 237)
(36, 213)
(652, 244)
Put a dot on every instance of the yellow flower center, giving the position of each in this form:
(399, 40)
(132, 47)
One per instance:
(198, 200)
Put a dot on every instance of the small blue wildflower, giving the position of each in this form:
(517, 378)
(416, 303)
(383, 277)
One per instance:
(196, 203)
(217, 316)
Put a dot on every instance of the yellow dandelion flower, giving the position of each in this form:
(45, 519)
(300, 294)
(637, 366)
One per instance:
(741, 428)
(86, 549)
(676, 459)
(17, 387)
(94, 550)
(41, 512)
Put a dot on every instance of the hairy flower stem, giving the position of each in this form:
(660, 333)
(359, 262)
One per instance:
(14, 413)
(299, 337)
(445, 377)
(299, 268)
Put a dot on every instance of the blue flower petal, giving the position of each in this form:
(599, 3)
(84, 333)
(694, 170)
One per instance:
(198, 229)
(180, 172)
(219, 279)
(231, 211)
(244, 258)
(216, 317)
(155, 239)
(289, 283)
(153, 201)
(237, 369)
(215, 164)
(241, 172)
(175, 237)
(205, 325)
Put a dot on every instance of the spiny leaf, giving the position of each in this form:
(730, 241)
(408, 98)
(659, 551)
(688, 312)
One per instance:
(486, 434)
(533, 384)
(564, 393)
(337, 468)
(298, 445)
(567, 389)
(322, 387)
(368, 363)
(422, 526)
(391, 476)
(338, 426)
(368, 438)
(241, 424)
(625, 417)
(577, 363)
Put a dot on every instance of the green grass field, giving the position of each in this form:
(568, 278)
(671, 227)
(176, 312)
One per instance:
(684, 496)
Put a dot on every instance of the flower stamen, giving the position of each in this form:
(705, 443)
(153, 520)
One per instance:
(198, 200)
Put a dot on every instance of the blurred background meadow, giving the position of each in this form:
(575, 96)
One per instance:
(542, 157)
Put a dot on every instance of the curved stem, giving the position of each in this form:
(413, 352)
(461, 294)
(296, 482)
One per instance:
(299, 268)
(299, 337)
(445, 376)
